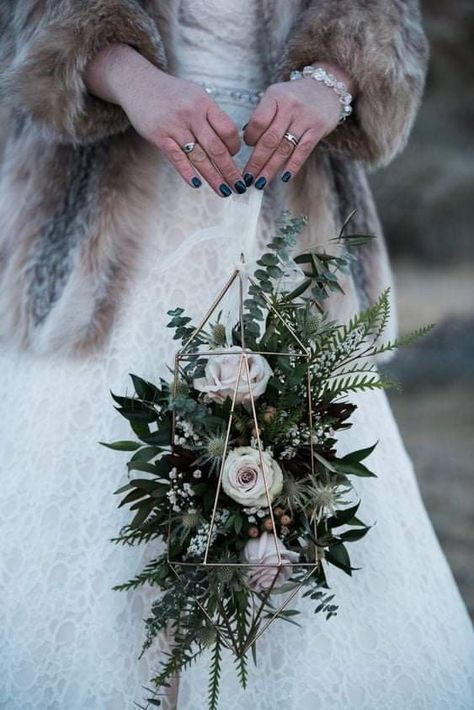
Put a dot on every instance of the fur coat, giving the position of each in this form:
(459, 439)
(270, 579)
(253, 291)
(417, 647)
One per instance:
(75, 184)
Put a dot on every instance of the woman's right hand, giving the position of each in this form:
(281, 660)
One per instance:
(169, 112)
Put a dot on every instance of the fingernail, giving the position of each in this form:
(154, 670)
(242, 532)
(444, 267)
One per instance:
(240, 187)
(244, 127)
(261, 182)
(196, 182)
(225, 190)
(286, 176)
(248, 179)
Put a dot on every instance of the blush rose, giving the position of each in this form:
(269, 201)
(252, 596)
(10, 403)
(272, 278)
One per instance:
(222, 372)
(243, 477)
(263, 553)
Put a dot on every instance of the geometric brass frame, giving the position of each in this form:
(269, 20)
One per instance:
(244, 371)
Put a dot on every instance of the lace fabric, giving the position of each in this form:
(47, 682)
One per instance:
(402, 637)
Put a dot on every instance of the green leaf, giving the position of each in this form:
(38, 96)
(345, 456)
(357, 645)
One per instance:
(342, 517)
(133, 496)
(353, 535)
(121, 445)
(141, 466)
(330, 466)
(359, 455)
(162, 437)
(238, 522)
(357, 240)
(353, 469)
(146, 453)
(299, 290)
(146, 390)
(268, 260)
(146, 484)
(140, 429)
(346, 222)
(124, 488)
(142, 514)
(356, 521)
(338, 556)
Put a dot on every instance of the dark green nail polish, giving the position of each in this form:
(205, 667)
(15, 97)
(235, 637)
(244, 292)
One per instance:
(286, 176)
(261, 182)
(225, 190)
(196, 182)
(240, 187)
(248, 179)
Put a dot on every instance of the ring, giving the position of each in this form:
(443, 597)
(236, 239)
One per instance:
(188, 147)
(291, 138)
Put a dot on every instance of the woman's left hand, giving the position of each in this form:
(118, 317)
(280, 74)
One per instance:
(306, 108)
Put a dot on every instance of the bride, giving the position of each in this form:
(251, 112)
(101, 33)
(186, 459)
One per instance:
(132, 124)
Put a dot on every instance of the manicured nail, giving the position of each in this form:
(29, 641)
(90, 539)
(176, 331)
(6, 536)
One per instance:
(261, 182)
(244, 127)
(225, 190)
(240, 187)
(286, 176)
(196, 182)
(248, 179)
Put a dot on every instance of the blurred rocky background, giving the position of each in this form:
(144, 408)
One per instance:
(425, 199)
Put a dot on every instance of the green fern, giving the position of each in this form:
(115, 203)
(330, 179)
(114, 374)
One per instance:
(358, 383)
(215, 675)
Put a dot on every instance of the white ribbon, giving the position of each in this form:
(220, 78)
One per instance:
(237, 227)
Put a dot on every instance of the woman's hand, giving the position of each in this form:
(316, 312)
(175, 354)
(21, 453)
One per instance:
(306, 108)
(170, 112)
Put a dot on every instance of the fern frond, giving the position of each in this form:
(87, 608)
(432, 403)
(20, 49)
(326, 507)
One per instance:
(403, 341)
(242, 671)
(359, 383)
(215, 675)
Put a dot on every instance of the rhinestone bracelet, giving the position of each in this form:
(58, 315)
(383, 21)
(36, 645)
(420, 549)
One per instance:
(330, 80)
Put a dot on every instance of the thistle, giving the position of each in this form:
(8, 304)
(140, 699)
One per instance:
(212, 451)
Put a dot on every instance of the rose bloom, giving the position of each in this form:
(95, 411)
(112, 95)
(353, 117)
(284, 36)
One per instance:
(242, 477)
(221, 373)
(263, 551)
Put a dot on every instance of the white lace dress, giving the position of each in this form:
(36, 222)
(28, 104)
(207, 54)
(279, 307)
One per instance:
(402, 638)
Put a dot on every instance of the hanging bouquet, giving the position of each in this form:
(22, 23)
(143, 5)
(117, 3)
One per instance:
(235, 464)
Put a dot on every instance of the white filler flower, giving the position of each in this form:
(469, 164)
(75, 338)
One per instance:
(243, 477)
(222, 373)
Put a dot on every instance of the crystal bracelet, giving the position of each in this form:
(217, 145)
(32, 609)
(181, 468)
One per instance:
(330, 80)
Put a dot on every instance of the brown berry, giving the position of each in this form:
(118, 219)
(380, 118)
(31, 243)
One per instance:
(285, 520)
(269, 414)
(267, 524)
(278, 512)
(253, 532)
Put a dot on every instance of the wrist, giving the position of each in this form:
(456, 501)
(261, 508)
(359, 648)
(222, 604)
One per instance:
(116, 71)
(334, 82)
